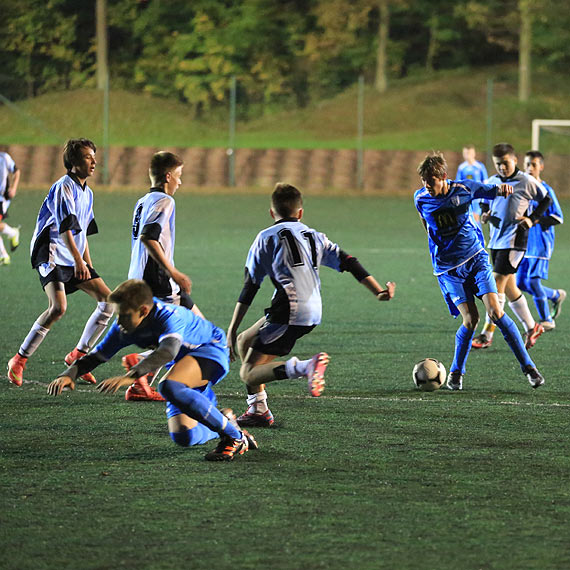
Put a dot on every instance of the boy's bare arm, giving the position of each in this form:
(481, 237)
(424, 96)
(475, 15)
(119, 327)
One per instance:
(157, 253)
(81, 270)
(240, 311)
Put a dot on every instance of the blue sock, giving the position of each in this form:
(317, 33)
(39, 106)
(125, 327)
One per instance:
(195, 436)
(514, 340)
(198, 407)
(463, 338)
(540, 299)
(551, 294)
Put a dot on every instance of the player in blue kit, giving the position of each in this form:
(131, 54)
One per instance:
(152, 252)
(290, 254)
(9, 179)
(60, 253)
(510, 221)
(196, 356)
(472, 169)
(461, 263)
(534, 267)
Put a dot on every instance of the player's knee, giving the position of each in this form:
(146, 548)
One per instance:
(245, 373)
(181, 438)
(57, 311)
(470, 321)
(495, 313)
(241, 343)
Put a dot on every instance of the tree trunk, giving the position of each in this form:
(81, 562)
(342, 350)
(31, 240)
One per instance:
(381, 80)
(525, 43)
(101, 17)
(432, 46)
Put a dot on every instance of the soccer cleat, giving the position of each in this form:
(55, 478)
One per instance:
(557, 305)
(16, 366)
(5, 260)
(249, 419)
(531, 336)
(316, 373)
(137, 392)
(229, 447)
(535, 378)
(15, 241)
(455, 381)
(229, 414)
(548, 325)
(481, 341)
(74, 355)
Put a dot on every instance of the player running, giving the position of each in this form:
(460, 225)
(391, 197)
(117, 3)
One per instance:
(9, 179)
(60, 253)
(290, 254)
(461, 263)
(195, 353)
(534, 266)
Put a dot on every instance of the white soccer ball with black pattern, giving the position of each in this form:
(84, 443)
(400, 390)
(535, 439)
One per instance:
(429, 375)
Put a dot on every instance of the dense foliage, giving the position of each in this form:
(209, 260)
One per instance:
(283, 52)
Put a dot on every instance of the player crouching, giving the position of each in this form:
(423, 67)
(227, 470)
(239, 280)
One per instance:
(196, 357)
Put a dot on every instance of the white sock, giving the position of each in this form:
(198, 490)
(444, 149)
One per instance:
(3, 252)
(9, 231)
(257, 403)
(33, 340)
(95, 326)
(296, 368)
(521, 310)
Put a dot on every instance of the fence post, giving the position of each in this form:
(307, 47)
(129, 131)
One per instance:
(490, 166)
(360, 131)
(232, 133)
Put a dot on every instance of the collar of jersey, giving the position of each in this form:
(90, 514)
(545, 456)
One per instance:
(282, 220)
(504, 179)
(157, 189)
(76, 180)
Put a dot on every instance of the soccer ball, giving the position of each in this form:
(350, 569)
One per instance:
(429, 375)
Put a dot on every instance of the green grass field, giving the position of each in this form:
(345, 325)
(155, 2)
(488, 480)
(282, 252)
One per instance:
(373, 474)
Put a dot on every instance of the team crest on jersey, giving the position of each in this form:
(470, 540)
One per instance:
(455, 200)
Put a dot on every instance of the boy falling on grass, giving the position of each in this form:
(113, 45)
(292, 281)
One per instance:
(290, 254)
(195, 353)
(461, 263)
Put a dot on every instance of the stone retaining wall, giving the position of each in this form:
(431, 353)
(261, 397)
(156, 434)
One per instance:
(318, 170)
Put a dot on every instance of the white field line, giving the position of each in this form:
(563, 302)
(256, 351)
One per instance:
(430, 399)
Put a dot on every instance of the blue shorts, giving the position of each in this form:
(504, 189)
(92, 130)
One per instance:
(533, 267)
(462, 284)
(215, 364)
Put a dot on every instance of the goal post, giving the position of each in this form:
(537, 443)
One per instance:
(537, 124)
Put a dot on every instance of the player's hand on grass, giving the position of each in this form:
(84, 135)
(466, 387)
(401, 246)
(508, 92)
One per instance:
(111, 385)
(56, 387)
(388, 293)
(183, 280)
(505, 190)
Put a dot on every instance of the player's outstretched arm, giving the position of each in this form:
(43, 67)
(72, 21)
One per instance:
(240, 311)
(56, 387)
(111, 385)
(382, 294)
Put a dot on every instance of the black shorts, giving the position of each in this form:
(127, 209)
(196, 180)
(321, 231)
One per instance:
(277, 339)
(506, 261)
(66, 275)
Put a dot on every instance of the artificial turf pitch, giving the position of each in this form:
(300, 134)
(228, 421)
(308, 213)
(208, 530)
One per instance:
(373, 474)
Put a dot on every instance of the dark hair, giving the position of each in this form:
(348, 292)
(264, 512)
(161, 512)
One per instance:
(502, 149)
(433, 164)
(72, 154)
(161, 163)
(131, 294)
(286, 200)
(535, 154)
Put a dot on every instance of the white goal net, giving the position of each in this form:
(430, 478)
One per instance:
(551, 135)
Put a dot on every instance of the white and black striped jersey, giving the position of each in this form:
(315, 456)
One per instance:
(154, 218)
(7, 167)
(290, 253)
(68, 206)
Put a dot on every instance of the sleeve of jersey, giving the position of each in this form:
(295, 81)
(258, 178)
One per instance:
(249, 290)
(113, 341)
(92, 228)
(539, 211)
(331, 252)
(484, 191)
(351, 264)
(157, 218)
(166, 351)
(64, 210)
(259, 256)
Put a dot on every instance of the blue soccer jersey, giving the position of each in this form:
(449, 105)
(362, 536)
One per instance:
(198, 336)
(7, 166)
(505, 214)
(290, 254)
(68, 206)
(541, 240)
(453, 235)
(476, 172)
(154, 218)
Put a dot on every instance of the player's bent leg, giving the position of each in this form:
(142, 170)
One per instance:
(246, 338)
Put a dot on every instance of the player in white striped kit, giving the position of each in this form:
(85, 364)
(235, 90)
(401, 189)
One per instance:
(290, 254)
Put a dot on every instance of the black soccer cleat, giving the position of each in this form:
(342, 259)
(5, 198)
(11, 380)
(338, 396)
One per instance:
(535, 378)
(455, 381)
